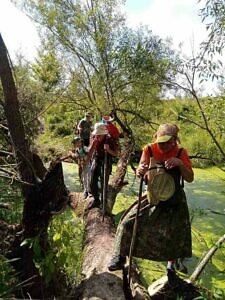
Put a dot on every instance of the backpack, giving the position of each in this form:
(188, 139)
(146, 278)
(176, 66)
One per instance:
(161, 184)
(113, 130)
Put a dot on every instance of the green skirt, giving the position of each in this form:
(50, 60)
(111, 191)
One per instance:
(163, 231)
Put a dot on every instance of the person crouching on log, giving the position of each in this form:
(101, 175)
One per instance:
(163, 228)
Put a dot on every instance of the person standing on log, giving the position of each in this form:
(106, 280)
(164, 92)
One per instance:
(163, 230)
(102, 145)
(85, 127)
(79, 154)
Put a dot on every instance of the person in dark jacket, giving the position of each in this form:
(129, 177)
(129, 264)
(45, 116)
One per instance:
(84, 128)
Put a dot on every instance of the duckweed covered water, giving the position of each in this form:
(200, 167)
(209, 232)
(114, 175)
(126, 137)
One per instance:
(206, 201)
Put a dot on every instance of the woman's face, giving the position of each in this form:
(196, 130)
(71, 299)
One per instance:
(168, 146)
(100, 138)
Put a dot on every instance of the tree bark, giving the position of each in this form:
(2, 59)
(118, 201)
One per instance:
(117, 182)
(98, 282)
(44, 191)
(99, 240)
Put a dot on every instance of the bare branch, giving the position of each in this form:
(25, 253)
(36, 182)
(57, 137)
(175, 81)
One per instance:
(204, 261)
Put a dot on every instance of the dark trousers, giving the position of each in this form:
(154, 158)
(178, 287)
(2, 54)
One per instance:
(86, 141)
(97, 173)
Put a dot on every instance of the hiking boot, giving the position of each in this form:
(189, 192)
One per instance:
(117, 263)
(94, 203)
(85, 195)
(173, 279)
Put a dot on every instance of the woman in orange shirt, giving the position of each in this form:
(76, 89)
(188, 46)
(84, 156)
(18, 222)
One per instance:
(164, 231)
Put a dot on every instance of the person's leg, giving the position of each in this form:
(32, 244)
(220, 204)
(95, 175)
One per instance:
(171, 274)
(80, 171)
(95, 174)
(117, 261)
(85, 175)
(86, 142)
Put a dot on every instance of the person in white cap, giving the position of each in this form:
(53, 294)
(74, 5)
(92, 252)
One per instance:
(167, 232)
(101, 144)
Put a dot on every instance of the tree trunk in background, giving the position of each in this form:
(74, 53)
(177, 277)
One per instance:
(44, 191)
(117, 182)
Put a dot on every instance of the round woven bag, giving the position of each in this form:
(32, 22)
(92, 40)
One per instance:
(161, 185)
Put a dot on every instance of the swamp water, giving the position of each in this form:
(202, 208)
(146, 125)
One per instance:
(206, 201)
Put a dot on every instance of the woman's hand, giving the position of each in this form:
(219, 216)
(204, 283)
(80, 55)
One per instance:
(141, 170)
(173, 162)
(187, 173)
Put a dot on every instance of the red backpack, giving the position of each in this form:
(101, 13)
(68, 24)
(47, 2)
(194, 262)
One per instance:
(113, 130)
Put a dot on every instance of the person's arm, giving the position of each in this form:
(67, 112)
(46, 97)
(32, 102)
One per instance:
(143, 164)
(91, 150)
(80, 126)
(70, 155)
(113, 152)
(184, 165)
(186, 173)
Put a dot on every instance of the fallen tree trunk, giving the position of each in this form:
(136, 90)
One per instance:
(98, 282)
(99, 241)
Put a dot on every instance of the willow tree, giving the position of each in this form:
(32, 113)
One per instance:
(108, 66)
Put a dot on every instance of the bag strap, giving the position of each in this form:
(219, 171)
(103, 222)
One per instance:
(150, 151)
(179, 152)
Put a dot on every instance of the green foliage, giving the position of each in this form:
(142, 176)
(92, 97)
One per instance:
(65, 251)
(66, 239)
(212, 294)
(60, 120)
(213, 14)
(8, 279)
(44, 261)
(47, 69)
(11, 194)
(195, 139)
(59, 132)
(107, 65)
(31, 97)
